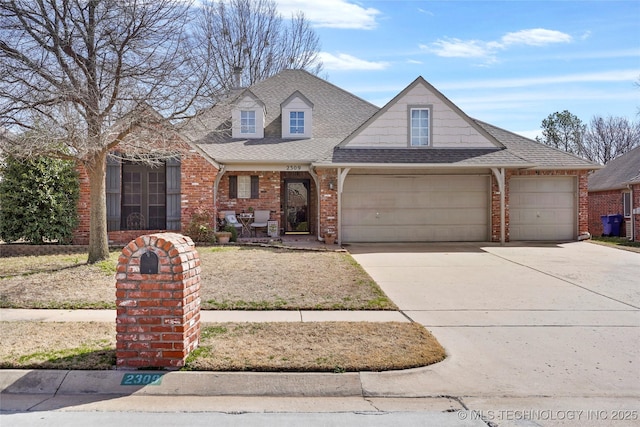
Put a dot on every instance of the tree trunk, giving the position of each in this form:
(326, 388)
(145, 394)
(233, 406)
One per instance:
(98, 237)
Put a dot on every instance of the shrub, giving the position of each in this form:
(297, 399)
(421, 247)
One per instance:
(38, 200)
(234, 232)
(201, 226)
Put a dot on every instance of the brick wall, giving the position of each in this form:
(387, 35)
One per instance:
(158, 314)
(269, 195)
(197, 178)
(328, 202)
(495, 211)
(610, 203)
(603, 203)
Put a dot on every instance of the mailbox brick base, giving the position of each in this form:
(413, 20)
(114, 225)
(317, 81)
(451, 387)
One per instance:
(158, 309)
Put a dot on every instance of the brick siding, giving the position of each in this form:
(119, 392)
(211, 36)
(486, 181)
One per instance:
(197, 179)
(610, 202)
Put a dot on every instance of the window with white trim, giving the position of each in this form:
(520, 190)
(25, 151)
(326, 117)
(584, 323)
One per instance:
(419, 127)
(296, 122)
(247, 121)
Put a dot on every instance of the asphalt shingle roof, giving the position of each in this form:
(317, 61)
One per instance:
(619, 172)
(336, 113)
(454, 156)
(543, 156)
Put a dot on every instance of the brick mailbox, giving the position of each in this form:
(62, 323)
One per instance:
(158, 302)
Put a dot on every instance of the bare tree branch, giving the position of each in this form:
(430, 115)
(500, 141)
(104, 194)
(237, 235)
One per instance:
(74, 73)
(253, 36)
(608, 138)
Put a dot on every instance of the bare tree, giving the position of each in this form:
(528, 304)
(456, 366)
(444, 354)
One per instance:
(251, 35)
(564, 131)
(608, 138)
(76, 76)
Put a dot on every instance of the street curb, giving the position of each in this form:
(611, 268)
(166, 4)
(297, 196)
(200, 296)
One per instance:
(65, 382)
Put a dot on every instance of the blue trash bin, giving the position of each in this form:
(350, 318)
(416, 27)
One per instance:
(606, 225)
(615, 221)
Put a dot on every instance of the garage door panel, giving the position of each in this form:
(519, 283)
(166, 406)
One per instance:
(542, 208)
(415, 208)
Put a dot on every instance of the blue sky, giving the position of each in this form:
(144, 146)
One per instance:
(509, 63)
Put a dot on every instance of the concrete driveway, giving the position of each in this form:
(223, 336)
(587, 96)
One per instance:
(546, 327)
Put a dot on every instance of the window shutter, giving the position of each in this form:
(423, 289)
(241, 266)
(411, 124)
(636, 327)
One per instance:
(233, 187)
(173, 194)
(255, 187)
(113, 186)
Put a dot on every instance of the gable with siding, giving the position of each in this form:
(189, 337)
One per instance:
(450, 127)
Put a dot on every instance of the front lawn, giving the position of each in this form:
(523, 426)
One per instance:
(233, 278)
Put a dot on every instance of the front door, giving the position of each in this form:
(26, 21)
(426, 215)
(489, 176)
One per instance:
(297, 206)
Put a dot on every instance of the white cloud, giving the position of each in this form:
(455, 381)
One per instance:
(345, 62)
(332, 13)
(535, 37)
(457, 48)
(603, 76)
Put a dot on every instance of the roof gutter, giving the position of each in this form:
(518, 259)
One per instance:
(422, 165)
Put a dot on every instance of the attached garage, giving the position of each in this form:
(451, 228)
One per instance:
(542, 208)
(415, 208)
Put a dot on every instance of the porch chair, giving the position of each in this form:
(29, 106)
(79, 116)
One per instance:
(230, 217)
(260, 219)
(135, 221)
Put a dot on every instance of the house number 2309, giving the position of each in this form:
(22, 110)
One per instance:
(294, 167)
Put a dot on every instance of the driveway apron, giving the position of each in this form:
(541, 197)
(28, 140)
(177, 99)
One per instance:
(518, 320)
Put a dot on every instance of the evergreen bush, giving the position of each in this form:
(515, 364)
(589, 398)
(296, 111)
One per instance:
(38, 200)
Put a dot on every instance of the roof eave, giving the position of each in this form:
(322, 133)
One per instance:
(567, 168)
(422, 165)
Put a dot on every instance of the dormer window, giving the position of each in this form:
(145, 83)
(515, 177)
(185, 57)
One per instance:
(247, 117)
(296, 122)
(419, 126)
(247, 121)
(297, 117)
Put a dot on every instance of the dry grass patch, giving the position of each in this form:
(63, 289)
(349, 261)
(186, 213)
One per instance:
(237, 277)
(57, 281)
(265, 347)
(41, 345)
(315, 347)
(250, 278)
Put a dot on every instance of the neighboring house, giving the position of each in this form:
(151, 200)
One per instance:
(322, 160)
(615, 190)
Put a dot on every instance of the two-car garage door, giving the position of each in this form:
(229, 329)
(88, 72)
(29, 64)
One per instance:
(454, 208)
(415, 208)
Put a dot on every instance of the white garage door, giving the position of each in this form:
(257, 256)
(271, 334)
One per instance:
(415, 208)
(542, 208)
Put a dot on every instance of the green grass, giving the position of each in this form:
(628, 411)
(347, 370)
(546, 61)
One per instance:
(617, 241)
(93, 355)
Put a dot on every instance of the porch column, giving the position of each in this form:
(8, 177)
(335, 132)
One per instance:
(500, 176)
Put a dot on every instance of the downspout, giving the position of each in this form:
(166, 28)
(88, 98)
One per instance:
(314, 175)
(216, 184)
(342, 174)
(499, 174)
